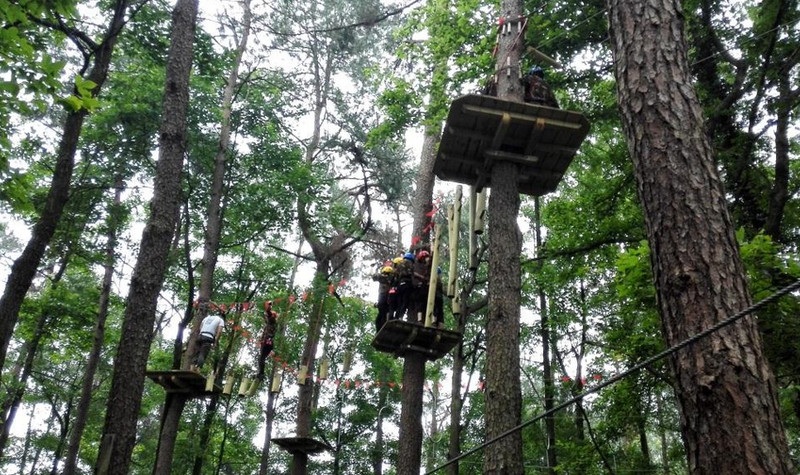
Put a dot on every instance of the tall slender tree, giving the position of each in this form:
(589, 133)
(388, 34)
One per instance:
(174, 404)
(503, 389)
(119, 431)
(24, 268)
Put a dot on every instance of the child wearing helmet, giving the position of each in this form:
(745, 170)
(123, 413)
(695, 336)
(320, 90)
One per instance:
(403, 287)
(421, 279)
(385, 279)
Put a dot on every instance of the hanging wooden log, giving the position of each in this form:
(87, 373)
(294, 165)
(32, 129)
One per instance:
(276, 383)
(210, 381)
(228, 384)
(253, 387)
(456, 304)
(348, 360)
(480, 212)
(454, 225)
(434, 278)
(323, 369)
(244, 386)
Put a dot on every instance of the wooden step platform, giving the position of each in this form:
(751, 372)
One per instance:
(400, 337)
(303, 445)
(482, 129)
(182, 381)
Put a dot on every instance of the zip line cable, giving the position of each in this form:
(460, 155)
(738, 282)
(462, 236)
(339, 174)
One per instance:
(613, 380)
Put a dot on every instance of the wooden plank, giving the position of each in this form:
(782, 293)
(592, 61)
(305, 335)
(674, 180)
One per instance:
(478, 132)
(181, 381)
(399, 337)
(470, 109)
(304, 445)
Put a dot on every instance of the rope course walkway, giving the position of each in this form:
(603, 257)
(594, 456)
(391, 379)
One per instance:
(613, 380)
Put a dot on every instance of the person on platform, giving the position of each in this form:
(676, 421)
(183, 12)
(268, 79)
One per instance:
(385, 279)
(404, 270)
(537, 91)
(267, 338)
(421, 284)
(210, 331)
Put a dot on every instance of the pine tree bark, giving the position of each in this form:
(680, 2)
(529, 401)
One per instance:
(119, 431)
(24, 268)
(503, 388)
(726, 393)
(409, 445)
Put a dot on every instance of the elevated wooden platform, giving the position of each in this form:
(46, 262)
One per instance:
(303, 445)
(181, 381)
(400, 337)
(482, 129)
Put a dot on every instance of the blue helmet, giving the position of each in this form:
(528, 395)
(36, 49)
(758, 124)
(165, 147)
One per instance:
(408, 256)
(536, 71)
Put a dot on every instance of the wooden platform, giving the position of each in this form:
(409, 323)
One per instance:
(483, 129)
(181, 381)
(400, 337)
(303, 445)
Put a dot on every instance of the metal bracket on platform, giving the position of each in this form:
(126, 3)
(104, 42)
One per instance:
(418, 349)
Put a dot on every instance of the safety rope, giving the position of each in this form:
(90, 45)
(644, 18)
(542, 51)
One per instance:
(613, 380)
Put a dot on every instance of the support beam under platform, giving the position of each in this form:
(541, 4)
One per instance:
(481, 130)
(400, 337)
(302, 445)
(182, 381)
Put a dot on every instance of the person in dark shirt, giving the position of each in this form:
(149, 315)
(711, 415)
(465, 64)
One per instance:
(267, 338)
(537, 91)
(385, 279)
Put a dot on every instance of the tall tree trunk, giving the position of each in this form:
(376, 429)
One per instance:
(779, 194)
(14, 397)
(24, 268)
(454, 443)
(205, 436)
(62, 436)
(503, 388)
(547, 357)
(215, 209)
(24, 366)
(263, 468)
(409, 454)
(169, 432)
(422, 201)
(378, 448)
(409, 445)
(434, 428)
(27, 446)
(308, 359)
(119, 431)
(85, 401)
(726, 393)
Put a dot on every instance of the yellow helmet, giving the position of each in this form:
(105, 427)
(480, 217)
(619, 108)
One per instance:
(397, 260)
(387, 270)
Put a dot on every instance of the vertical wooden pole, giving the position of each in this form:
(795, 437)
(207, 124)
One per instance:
(434, 278)
(455, 225)
(480, 212)
(473, 238)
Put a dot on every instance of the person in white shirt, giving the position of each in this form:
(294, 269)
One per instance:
(210, 331)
